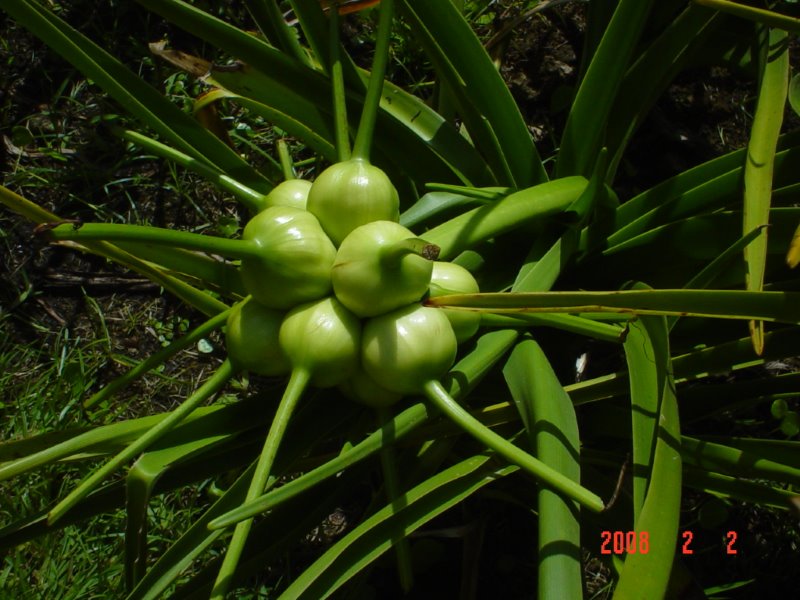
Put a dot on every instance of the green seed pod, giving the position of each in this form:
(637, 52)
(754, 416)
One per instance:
(365, 390)
(294, 261)
(352, 193)
(292, 192)
(322, 337)
(450, 278)
(379, 267)
(407, 348)
(251, 338)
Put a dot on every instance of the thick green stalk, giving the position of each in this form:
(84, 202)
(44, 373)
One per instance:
(366, 126)
(438, 396)
(212, 385)
(253, 200)
(286, 160)
(158, 358)
(113, 232)
(391, 481)
(340, 126)
(391, 255)
(291, 396)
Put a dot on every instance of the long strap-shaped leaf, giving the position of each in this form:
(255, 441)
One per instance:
(480, 224)
(583, 133)
(724, 304)
(760, 164)
(410, 133)
(647, 355)
(684, 183)
(646, 574)
(140, 484)
(489, 111)
(652, 72)
(374, 535)
(550, 420)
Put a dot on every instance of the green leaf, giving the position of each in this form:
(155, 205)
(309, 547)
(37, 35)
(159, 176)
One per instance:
(646, 575)
(758, 170)
(484, 101)
(759, 15)
(583, 134)
(373, 536)
(515, 210)
(552, 426)
(647, 355)
(724, 304)
(409, 133)
(140, 483)
(794, 93)
(168, 422)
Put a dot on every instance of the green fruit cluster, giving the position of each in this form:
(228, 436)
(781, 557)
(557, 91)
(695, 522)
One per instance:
(336, 289)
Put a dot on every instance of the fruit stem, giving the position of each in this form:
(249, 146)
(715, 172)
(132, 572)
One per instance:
(340, 125)
(116, 232)
(391, 255)
(291, 395)
(391, 482)
(366, 126)
(286, 160)
(253, 200)
(547, 475)
(211, 386)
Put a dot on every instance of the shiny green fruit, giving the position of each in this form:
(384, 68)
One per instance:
(292, 192)
(324, 338)
(407, 348)
(378, 268)
(365, 390)
(450, 278)
(294, 258)
(251, 339)
(352, 193)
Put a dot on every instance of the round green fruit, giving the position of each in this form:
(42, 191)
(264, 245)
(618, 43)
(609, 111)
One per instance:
(352, 193)
(322, 337)
(450, 278)
(251, 338)
(405, 349)
(294, 258)
(292, 192)
(378, 268)
(365, 390)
